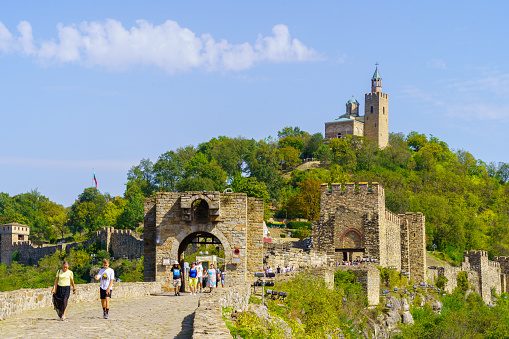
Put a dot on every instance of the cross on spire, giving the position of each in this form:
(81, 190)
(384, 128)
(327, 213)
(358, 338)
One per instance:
(376, 64)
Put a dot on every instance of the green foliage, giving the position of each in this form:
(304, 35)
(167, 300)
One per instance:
(441, 282)
(17, 276)
(462, 281)
(282, 235)
(301, 233)
(299, 224)
(391, 278)
(460, 318)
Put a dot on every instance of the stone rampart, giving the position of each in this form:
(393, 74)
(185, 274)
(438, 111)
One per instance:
(121, 242)
(275, 256)
(208, 321)
(16, 302)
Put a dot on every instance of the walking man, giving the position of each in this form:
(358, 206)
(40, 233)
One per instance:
(107, 276)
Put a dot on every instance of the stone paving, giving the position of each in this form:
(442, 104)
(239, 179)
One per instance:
(156, 316)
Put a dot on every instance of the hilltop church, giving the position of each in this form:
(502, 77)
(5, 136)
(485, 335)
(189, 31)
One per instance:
(374, 125)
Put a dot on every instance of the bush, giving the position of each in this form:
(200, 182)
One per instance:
(301, 234)
(295, 225)
(441, 281)
(282, 235)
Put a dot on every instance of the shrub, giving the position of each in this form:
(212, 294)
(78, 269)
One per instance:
(294, 225)
(301, 233)
(441, 281)
(282, 235)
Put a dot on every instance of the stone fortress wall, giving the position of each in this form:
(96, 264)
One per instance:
(484, 275)
(120, 242)
(359, 213)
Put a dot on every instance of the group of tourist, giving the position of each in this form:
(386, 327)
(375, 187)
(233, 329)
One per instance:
(65, 278)
(198, 277)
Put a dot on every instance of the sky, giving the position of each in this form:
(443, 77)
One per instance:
(97, 86)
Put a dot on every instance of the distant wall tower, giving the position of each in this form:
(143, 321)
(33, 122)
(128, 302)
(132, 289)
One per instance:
(11, 234)
(376, 113)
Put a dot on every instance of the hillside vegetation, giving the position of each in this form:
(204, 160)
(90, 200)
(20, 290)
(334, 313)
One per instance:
(466, 201)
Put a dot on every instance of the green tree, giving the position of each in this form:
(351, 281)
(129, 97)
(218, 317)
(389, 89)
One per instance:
(290, 157)
(416, 141)
(289, 131)
(307, 201)
(143, 176)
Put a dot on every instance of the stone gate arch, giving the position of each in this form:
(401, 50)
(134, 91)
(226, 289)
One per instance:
(233, 218)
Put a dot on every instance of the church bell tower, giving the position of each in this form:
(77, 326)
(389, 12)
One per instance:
(376, 113)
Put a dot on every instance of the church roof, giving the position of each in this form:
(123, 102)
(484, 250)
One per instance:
(343, 119)
(376, 75)
(352, 101)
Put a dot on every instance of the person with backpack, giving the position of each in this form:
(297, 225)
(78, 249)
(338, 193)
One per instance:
(177, 277)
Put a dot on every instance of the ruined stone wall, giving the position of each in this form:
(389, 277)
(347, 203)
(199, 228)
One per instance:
(16, 302)
(126, 243)
(451, 273)
(489, 273)
(504, 269)
(369, 277)
(393, 239)
(122, 242)
(254, 237)
(417, 245)
(294, 257)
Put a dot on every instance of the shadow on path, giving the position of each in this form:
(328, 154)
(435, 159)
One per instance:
(187, 327)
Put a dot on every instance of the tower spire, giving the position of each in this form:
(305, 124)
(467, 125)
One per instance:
(376, 81)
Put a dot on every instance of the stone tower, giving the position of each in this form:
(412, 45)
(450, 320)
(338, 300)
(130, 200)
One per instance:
(376, 113)
(12, 234)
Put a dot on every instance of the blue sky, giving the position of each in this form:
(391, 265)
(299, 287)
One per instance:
(100, 85)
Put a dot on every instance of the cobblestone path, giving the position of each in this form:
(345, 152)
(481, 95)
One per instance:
(161, 316)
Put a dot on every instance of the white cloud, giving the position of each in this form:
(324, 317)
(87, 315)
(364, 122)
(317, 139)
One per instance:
(167, 46)
(436, 63)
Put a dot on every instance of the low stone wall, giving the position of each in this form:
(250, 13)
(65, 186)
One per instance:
(16, 302)
(208, 321)
(368, 276)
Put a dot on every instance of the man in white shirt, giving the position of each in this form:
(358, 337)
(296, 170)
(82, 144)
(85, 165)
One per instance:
(199, 270)
(107, 276)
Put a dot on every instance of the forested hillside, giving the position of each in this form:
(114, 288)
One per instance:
(466, 201)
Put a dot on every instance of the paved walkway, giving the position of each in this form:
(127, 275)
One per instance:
(162, 316)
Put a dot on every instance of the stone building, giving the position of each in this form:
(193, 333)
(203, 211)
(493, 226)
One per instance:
(174, 220)
(374, 125)
(12, 234)
(354, 223)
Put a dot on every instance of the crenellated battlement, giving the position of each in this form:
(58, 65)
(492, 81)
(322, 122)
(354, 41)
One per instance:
(352, 188)
(501, 259)
(21, 244)
(375, 95)
(389, 216)
(478, 254)
(493, 264)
